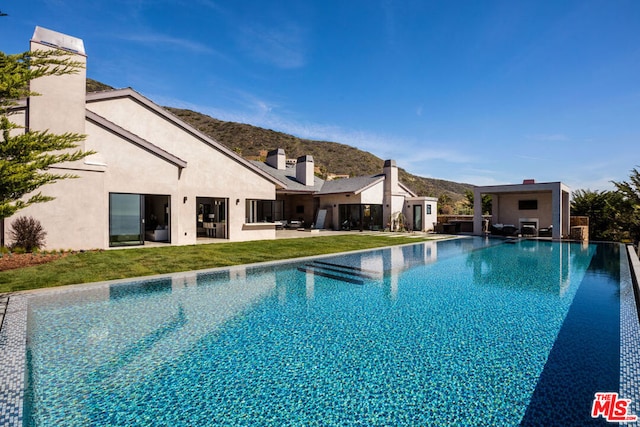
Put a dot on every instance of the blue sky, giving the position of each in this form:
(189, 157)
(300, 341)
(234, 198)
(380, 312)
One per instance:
(483, 92)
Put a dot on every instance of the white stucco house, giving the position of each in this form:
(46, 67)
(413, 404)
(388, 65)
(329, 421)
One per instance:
(155, 178)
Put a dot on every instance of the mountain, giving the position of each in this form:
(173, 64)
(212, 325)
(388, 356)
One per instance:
(96, 86)
(330, 157)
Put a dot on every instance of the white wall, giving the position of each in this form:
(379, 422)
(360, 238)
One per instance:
(76, 218)
(427, 219)
(509, 213)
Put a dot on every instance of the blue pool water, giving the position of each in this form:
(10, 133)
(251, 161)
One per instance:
(458, 332)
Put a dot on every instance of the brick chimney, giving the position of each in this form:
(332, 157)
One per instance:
(304, 170)
(277, 159)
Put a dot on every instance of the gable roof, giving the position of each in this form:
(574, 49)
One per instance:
(167, 115)
(134, 139)
(409, 191)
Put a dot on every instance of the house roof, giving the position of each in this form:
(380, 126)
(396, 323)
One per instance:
(288, 179)
(354, 185)
(407, 189)
(167, 115)
(523, 188)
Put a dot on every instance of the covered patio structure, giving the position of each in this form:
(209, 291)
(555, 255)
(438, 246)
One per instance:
(530, 204)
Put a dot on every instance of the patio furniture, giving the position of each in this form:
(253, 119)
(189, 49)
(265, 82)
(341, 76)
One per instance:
(296, 223)
(504, 229)
(546, 232)
(158, 235)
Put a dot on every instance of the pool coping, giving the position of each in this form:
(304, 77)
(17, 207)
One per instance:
(630, 329)
(14, 330)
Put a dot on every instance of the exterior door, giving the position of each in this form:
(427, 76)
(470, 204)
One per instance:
(417, 217)
(126, 226)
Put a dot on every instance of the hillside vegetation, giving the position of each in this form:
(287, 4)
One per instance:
(330, 157)
(96, 86)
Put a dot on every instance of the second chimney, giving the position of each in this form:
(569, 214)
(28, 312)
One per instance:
(304, 170)
(277, 159)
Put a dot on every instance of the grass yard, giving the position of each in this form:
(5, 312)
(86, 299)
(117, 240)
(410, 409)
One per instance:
(126, 263)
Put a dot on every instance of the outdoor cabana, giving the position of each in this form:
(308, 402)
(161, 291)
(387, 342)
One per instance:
(529, 205)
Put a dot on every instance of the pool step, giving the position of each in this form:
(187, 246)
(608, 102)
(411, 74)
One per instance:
(344, 273)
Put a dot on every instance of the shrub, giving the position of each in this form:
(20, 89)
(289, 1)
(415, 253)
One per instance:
(27, 233)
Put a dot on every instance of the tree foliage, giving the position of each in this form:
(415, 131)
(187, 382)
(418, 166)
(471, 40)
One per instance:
(613, 215)
(630, 191)
(26, 155)
(605, 210)
(445, 204)
(469, 202)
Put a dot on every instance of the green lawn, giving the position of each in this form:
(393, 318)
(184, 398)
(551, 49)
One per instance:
(119, 264)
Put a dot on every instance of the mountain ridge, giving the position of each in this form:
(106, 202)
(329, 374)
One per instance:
(331, 157)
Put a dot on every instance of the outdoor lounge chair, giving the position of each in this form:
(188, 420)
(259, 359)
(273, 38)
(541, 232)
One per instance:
(546, 232)
(504, 230)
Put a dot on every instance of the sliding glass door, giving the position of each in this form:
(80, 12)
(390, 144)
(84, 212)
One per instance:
(360, 217)
(125, 219)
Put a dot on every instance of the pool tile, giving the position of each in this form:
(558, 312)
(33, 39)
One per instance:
(13, 357)
(13, 351)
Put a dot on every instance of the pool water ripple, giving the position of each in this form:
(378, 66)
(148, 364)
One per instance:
(453, 333)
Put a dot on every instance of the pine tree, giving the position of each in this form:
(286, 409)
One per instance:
(26, 156)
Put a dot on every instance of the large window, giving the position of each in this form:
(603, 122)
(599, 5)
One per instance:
(134, 218)
(211, 217)
(264, 210)
(360, 217)
(125, 219)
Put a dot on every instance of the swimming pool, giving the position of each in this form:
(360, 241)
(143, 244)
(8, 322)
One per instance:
(461, 332)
